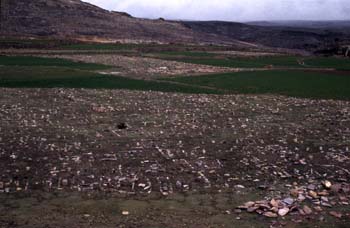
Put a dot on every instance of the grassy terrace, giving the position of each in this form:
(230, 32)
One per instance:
(28, 61)
(33, 72)
(291, 83)
(256, 62)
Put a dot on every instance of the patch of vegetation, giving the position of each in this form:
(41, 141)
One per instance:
(32, 43)
(63, 77)
(52, 62)
(256, 62)
(34, 72)
(337, 63)
(291, 83)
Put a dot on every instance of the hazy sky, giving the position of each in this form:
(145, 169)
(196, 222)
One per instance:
(232, 10)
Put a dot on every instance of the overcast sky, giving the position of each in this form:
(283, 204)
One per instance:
(232, 10)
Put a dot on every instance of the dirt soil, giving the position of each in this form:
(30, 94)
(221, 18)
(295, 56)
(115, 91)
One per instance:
(135, 144)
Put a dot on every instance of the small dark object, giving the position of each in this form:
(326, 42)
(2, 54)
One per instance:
(122, 126)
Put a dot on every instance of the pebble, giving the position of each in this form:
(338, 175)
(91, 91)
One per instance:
(327, 184)
(313, 194)
(288, 201)
(336, 214)
(125, 213)
(307, 210)
(284, 211)
(270, 214)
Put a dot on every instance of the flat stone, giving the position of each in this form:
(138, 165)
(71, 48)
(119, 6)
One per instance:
(64, 182)
(239, 186)
(307, 210)
(294, 192)
(336, 214)
(274, 203)
(318, 208)
(313, 194)
(324, 199)
(270, 214)
(249, 204)
(284, 211)
(252, 209)
(301, 197)
(327, 184)
(125, 213)
(311, 187)
(288, 201)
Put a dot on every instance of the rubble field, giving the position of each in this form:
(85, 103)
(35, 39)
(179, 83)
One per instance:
(279, 157)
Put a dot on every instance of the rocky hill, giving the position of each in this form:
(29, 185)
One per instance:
(281, 35)
(77, 19)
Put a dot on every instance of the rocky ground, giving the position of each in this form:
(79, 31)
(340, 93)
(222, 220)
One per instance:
(144, 67)
(294, 151)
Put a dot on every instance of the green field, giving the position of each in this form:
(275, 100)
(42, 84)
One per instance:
(33, 72)
(13, 61)
(292, 83)
(337, 63)
(256, 62)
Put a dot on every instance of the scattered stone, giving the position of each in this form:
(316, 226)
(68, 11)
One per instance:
(274, 203)
(239, 186)
(284, 211)
(125, 213)
(307, 210)
(294, 192)
(311, 187)
(327, 184)
(318, 208)
(65, 182)
(288, 201)
(252, 209)
(336, 214)
(313, 194)
(270, 214)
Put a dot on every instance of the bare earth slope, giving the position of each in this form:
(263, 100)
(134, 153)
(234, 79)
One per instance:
(77, 19)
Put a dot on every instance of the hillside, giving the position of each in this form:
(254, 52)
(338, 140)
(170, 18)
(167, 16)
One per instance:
(279, 35)
(76, 19)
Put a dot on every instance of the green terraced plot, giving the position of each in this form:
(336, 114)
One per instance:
(299, 83)
(336, 63)
(60, 77)
(52, 62)
(257, 62)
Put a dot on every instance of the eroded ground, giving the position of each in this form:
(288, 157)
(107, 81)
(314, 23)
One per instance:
(137, 144)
